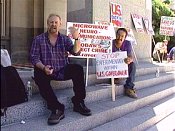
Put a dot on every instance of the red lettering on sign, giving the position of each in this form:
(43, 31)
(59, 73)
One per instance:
(116, 10)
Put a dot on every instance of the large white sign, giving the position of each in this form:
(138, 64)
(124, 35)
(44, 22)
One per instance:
(111, 65)
(167, 26)
(94, 38)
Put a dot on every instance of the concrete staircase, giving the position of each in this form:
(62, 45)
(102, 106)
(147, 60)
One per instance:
(156, 102)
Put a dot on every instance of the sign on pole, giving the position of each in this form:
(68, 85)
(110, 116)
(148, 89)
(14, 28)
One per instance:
(94, 38)
(102, 22)
(167, 26)
(116, 14)
(137, 20)
(148, 26)
(130, 37)
(111, 65)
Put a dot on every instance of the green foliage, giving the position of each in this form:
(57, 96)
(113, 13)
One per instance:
(160, 9)
(166, 2)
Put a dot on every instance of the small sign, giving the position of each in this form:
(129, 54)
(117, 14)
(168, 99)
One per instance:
(148, 26)
(137, 19)
(116, 14)
(111, 65)
(167, 26)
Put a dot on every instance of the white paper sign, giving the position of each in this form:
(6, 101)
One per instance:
(137, 19)
(94, 38)
(130, 37)
(116, 14)
(167, 26)
(148, 26)
(111, 65)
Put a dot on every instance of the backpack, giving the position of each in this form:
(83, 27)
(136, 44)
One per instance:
(12, 88)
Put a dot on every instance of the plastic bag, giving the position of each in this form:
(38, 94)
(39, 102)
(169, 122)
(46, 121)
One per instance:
(5, 58)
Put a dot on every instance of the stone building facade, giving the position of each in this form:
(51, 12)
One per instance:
(21, 20)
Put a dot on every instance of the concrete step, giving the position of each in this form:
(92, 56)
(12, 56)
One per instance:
(167, 124)
(27, 75)
(142, 65)
(143, 68)
(37, 107)
(103, 111)
(99, 90)
(142, 118)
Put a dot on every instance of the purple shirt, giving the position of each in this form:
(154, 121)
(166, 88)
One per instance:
(172, 53)
(126, 46)
(56, 56)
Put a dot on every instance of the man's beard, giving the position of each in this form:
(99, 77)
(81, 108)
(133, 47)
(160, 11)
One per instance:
(53, 30)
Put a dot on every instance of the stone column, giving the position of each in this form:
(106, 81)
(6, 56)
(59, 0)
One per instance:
(21, 29)
(38, 17)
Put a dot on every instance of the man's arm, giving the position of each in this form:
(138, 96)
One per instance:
(35, 56)
(77, 46)
(40, 66)
(129, 58)
(75, 35)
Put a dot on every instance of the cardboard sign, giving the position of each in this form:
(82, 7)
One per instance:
(111, 65)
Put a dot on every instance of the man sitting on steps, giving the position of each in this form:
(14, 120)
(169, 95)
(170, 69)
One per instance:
(50, 59)
(120, 44)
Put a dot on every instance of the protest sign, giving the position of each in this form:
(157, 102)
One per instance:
(130, 37)
(167, 26)
(111, 65)
(116, 14)
(112, 30)
(137, 20)
(148, 26)
(94, 38)
(97, 22)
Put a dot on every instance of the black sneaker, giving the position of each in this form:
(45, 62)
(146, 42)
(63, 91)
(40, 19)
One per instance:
(55, 117)
(82, 109)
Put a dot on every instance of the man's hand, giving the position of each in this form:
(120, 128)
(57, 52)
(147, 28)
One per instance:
(48, 69)
(75, 35)
(128, 60)
(74, 32)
